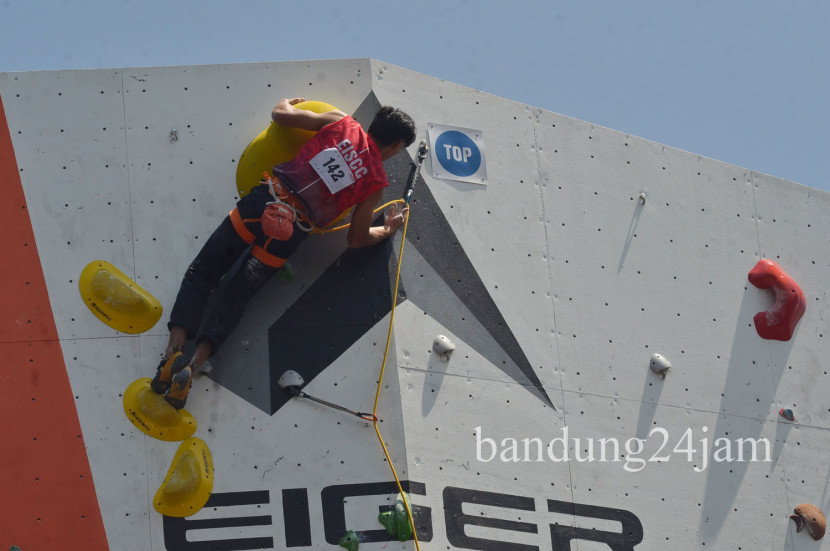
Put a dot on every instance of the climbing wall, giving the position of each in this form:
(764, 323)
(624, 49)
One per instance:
(582, 254)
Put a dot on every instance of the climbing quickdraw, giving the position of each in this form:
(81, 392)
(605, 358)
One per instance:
(365, 416)
(423, 149)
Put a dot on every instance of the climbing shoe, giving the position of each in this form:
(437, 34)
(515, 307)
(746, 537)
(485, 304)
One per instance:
(179, 387)
(165, 371)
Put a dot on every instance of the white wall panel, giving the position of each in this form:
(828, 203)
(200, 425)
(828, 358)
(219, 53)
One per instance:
(67, 128)
(790, 235)
(499, 226)
(634, 279)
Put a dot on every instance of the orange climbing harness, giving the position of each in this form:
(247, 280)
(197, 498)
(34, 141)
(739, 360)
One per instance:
(278, 221)
(284, 197)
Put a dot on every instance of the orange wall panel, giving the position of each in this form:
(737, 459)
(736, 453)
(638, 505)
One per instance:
(48, 495)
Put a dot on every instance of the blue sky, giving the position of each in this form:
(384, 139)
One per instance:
(745, 82)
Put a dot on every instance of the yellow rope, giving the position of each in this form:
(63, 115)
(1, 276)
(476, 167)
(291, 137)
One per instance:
(344, 226)
(383, 364)
(380, 383)
(328, 229)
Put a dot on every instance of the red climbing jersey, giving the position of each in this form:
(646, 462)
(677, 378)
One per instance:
(338, 168)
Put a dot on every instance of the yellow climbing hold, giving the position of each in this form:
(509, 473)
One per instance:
(117, 300)
(189, 481)
(274, 145)
(152, 415)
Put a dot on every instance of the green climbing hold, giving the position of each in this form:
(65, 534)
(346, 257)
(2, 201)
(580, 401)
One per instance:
(285, 273)
(349, 541)
(396, 521)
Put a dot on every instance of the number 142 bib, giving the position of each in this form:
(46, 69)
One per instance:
(332, 168)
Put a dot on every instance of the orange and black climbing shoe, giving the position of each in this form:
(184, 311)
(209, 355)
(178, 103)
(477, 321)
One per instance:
(179, 387)
(165, 371)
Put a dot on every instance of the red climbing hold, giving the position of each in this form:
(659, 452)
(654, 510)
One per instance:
(778, 322)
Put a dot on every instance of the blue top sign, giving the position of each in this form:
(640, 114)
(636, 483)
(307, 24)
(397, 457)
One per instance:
(457, 153)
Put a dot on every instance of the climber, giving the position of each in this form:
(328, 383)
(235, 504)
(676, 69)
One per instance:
(339, 168)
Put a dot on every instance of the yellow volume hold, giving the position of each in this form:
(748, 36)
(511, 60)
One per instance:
(117, 300)
(152, 415)
(274, 145)
(189, 481)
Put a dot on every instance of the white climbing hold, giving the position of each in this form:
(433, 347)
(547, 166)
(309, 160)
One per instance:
(290, 379)
(660, 364)
(443, 346)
